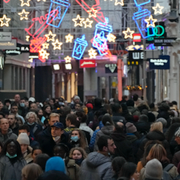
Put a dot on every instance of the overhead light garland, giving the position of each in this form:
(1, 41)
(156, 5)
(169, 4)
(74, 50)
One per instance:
(69, 38)
(88, 23)
(111, 37)
(92, 53)
(150, 21)
(50, 36)
(121, 2)
(45, 45)
(4, 21)
(57, 45)
(128, 33)
(27, 3)
(92, 12)
(23, 15)
(157, 9)
(67, 59)
(78, 18)
(43, 54)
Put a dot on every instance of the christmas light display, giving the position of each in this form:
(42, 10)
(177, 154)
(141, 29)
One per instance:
(128, 33)
(88, 23)
(23, 15)
(4, 21)
(157, 9)
(78, 18)
(69, 38)
(27, 3)
(57, 45)
(150, 22)
(92, 53)
(50, 36)
(121, 2)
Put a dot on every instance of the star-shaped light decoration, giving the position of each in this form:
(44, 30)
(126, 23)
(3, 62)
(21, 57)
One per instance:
(88, 23)
(27, 3)
(31, 60)
(128, 33)
(4, 21)
(45, 45)
(121, 2)
(27, 38)
(92, 12)
(78, 18)
(157, 9)
(150, 22)
(67, 59)
(57, 44)
(111, 37)
(69, 38)
(40, 0)
(50, 36)
(23, 15)
(92, 53)
(43, 54)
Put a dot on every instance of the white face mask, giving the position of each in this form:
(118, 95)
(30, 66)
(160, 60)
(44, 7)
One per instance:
(56, 138)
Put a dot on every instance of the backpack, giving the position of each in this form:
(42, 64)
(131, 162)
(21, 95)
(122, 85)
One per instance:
(168, 168)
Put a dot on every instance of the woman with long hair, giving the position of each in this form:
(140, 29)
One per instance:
(78, 139)
(11, 161)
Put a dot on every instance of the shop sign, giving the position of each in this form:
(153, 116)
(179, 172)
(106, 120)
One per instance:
(87, 63)
(163, 62)
(136, 37)
(8, 44)
(136, 55)
(164, 41)
(110, 68)
(24, 48)
(13, 52)
(5, 36)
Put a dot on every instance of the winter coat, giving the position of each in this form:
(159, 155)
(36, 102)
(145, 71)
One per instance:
(28, 155)
(121, 141)
(117, 117)
(176, 158)
(72, 170)
(15, 130)
(9, 171)
(154, 135)
(96, 167)
(54, 175)
(9, 135)
(105, 130)
(35, 129)
(142, 127)
(133, 111)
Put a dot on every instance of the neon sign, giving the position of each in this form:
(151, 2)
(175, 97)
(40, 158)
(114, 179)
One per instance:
(79, 47)
(41, 20)
(36, 44)
(62, 7)
(6, 1)
(87, 63)
(140, 16)
(101, 36)
(97, 16)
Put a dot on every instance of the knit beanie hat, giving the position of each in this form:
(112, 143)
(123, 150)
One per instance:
(153, 170)
(130, 128)
(177, 133)
(23, 139)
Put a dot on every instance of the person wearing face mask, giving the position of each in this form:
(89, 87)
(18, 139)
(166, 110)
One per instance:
(35, 128)
(97, 165)
(11, 161)
(78, 139)
(26, 150)
(72, 168)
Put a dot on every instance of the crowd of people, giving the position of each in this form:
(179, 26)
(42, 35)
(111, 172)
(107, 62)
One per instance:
(99, 139)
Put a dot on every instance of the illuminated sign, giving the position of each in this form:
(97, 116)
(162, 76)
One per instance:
(136, 37)
(136, 55)
(12, 52)
(24, 48)
(140, 16)
(94, 11)
(164, 41)
(80, 45)
(91, 63)
(6, 1)
(163, 62)
(62, 7)
(36, 44)
(100, 37)
(111, 68)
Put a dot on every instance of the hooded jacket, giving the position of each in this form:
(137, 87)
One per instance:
(121, 141)
(105, 130)
(9, 135)
(97, 167)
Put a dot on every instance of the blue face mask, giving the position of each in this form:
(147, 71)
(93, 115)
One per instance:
(22, 104)
(11, 157)
(30, 123)
(74, 138)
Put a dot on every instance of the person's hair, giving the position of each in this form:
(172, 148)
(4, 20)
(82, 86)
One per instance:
(107, 120)
(115, 107)
(53, 115)
(14, 104)
(81, 150)
(157, 126)
(24, 126)
(31, 171)
(164, 107)
(108, 108)
(135, 97)
(174, 103)
(64, 146)
(82, 139)
(147, 148)
(31, 114)
(18, 148)
(128, 169)
(152, 106)
(5, 111)
(124, 97)
(2, 114)
(143, 118)
(158, 152)
(35, 148)
(82, 116)
(130, 103)
(119, 127)
(41, 160)
(102, 141)
(72, 118)
(117, 164)
(66, 110)
(97, 102)
(175, 120)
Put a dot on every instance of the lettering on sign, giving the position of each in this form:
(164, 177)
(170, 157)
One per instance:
(137, 55)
